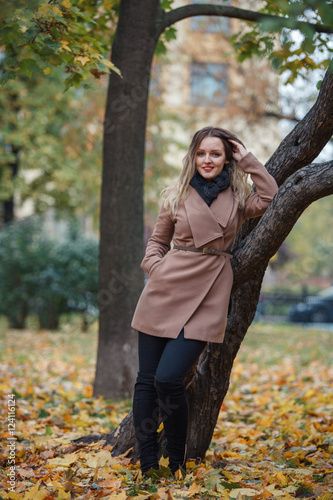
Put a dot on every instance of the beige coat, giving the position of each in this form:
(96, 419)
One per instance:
(192, 290)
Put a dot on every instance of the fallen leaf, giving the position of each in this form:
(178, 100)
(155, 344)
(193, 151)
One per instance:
(100, 459)
(62, 461)
(120, 496)
(36, 494)
(247, 492)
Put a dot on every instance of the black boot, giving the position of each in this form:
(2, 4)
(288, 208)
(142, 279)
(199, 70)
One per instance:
(174, 412)
(145, 416)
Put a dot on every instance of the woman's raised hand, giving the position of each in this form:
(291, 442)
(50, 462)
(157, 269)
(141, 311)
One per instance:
(238, 150)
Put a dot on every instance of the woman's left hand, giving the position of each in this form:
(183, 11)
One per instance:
(238, 150)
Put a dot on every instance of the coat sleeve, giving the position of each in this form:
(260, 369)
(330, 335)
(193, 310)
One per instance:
(159, 242)
(257, 203)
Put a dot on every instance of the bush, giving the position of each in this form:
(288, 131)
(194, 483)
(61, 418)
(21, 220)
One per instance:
(45, 277)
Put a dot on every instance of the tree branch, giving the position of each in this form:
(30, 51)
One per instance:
(281, 116)
(169, 18)
(301, 189)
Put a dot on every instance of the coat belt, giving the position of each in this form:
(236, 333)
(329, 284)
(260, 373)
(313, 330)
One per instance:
(204, 250)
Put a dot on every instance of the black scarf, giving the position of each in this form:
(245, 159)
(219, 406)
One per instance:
(210, 189)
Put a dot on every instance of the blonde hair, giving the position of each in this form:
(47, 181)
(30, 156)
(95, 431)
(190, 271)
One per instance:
(178, 190)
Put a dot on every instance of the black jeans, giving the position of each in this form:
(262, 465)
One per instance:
(163, 364)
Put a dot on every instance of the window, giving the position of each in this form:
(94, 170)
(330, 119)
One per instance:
(208, 84)
(211, 24)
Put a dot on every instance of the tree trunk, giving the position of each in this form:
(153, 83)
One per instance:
(121, 222)
(9, 205)
(255, 244)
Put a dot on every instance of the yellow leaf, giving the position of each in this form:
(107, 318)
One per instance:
(48, 10)
(271, 489)
(163, 493)
(281, 478)
(88, 391)
(62, 462)
(107, 63)
(41, 440)
(55, 485)
(267, 494)
(249, 492)
(82, 59)
(228, 475)
(120, 496)
(47, 71)
(100, 459)
(13, 496)
(225, 495)
(64, 45)
(178, 475)
(291, 489)
(327, 496)
(4, 387)
(34, 494)
(191, 464)
(66, 4)
(164, 462)
(111, 483)
(200, 472)
(64, 495)
(194, 489)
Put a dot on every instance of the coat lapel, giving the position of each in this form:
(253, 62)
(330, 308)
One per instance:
(222, 207)
(204, 220)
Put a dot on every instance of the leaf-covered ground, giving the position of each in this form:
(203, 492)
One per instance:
(273, 439)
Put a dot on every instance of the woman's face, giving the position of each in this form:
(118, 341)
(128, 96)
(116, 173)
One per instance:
(210, 157)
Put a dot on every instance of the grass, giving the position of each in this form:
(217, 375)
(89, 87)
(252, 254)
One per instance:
(268, 344)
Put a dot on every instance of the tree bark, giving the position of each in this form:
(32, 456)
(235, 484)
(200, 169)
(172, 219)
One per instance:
(121, 222)
(186, 11)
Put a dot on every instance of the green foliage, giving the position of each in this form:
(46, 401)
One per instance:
(22, 250)
(166, 4)
(169, 34)
(273, 38)
(76, 36)
(58, 138)
(72, 34)
(45, 277)
(311, 255)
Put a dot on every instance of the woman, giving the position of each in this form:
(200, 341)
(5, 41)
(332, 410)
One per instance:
(185, 302)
